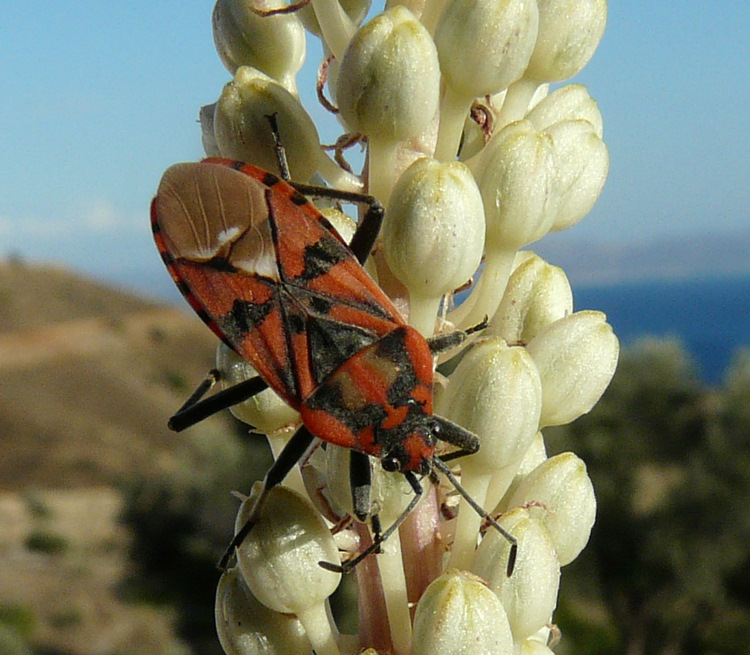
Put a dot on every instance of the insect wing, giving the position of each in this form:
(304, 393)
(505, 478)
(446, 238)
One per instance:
(267, 273)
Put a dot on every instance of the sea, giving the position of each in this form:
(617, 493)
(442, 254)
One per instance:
(710, 316)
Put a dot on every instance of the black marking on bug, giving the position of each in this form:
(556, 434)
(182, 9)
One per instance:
(332, 343)
(221, 264)
(244, 317)
(329, 397)
(321, 257)
(298, 199)
(269, 179)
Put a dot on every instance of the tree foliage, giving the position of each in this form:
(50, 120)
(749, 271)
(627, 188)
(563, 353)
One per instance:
(668, 566)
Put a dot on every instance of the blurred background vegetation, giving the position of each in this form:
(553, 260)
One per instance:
(667, 570)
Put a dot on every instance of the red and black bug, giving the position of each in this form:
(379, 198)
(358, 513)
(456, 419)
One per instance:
(274, 280)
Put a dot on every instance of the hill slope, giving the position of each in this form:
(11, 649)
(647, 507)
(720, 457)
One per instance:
(88, 376)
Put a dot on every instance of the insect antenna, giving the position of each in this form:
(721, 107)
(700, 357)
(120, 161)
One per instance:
(374, 547)
(445, 470)
(279, 148)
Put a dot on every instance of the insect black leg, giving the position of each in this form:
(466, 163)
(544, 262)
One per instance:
(379, 539)
(194, 410)
(360, 481)
(442, 342)
(292, 453)
(368, 228)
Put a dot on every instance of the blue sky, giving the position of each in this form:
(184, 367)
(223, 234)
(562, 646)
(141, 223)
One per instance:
(97, 99)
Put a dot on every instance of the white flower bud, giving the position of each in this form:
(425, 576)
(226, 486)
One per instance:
(389, 78)
(279, 559)
(243, 132)
(576, 358)
(274, 45)
(529, 595)
(495, 393)
(484, 45)
(356, 10)
(208, 138)
(433, 234)
(265, 411)
(500, 492)
(569, 32)
(459, 615)
(583, 164)
(559, 494)
(537, 295)
(517, 178)
(568, 103)
(245, 627)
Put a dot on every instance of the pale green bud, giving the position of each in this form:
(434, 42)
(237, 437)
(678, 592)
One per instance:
(245, 627)
(529, 595)
(389, 78)
(495, 392)
(459, 615)
(500, 491)
(559, 494)
(576, 358)
(583, 164)
(279, 559)
(569, 32)
(517, 178)
(537, 295)
(243, 131)
(274, 45)
(265, 411)
(356, 10)
(484, 45)
(568, 103)
(433, 234)
(208, 138)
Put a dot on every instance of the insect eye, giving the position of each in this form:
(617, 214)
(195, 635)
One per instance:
(391, 464)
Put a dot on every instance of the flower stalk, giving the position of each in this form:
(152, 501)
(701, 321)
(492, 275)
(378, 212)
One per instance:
(474, 159)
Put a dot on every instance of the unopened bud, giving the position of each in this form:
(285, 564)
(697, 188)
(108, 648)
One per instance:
(265, 411)
(568, 103)
(559, 494)
(389, 78)
(245, 627)
(576, 358)
(433, 234)
(284, 547)
(459, 615)
(537, 295)
(569, 32)
(274, 45)
(583, 164)
(243, 131)
(529, 595)
(484, 45)
(208, 138)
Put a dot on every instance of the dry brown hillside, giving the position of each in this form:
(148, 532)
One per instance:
(88, 376)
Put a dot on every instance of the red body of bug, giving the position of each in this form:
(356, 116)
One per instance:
(274, 280)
